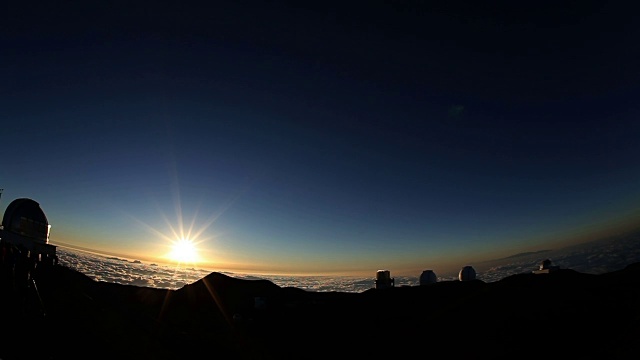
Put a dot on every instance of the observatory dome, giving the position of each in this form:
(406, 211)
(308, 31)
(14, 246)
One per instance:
(467, 273)
(545, 264)
(25, 217)
(428, 277)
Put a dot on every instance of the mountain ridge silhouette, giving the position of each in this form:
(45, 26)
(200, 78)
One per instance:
(564, 312)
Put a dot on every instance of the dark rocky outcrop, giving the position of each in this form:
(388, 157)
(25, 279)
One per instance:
(561, 314)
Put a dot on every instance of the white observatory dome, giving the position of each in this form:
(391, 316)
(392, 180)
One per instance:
(467, 273)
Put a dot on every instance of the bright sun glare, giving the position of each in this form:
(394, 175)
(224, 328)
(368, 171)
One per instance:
(184, 251)
(183, 241)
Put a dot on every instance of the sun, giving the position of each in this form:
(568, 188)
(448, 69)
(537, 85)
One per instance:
(181, 243)
(184, 251)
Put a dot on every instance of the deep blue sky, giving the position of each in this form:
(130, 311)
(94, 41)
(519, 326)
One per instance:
(323, 136)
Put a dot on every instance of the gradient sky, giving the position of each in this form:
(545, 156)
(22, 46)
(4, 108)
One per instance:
(323, 137)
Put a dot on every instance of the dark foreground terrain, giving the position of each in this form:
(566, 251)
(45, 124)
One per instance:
(564, 314)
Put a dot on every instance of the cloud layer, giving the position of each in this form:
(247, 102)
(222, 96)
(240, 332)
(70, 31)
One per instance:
(594, 258)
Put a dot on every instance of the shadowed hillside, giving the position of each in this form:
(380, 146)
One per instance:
(564, 313)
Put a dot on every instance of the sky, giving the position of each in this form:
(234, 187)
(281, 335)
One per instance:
(323, 137)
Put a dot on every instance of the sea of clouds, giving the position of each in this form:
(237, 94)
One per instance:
(594, 258)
